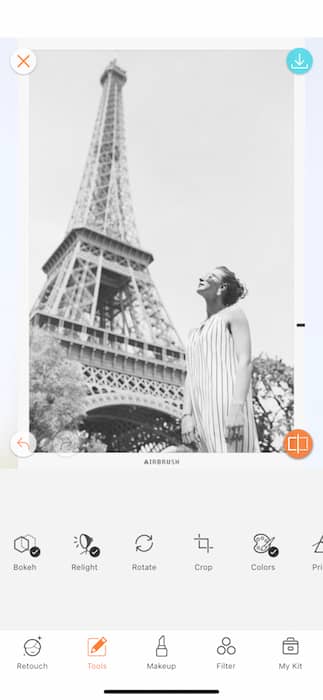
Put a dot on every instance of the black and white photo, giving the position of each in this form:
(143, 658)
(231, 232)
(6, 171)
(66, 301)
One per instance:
(161, 251)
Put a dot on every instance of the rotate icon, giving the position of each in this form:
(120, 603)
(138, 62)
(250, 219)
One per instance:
(144, 543)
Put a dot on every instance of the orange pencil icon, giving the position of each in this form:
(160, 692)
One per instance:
(99, 643)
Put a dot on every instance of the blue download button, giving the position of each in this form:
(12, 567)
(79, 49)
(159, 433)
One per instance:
(299, 61)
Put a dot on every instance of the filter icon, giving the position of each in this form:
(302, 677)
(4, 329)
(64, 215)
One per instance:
(161, 647)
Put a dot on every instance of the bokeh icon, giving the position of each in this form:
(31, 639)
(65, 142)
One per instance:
(26, 543)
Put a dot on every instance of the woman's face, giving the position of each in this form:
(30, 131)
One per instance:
(209, 284)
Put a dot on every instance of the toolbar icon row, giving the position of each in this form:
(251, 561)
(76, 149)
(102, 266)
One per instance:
(97, 646)
(144, 543)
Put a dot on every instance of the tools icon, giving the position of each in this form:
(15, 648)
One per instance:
(84, 542)
(97, 646)
(144, 543)
(203, 543)
(226, 647)
(264, 544)
(32, 647)
(26, 543)
(161, 649)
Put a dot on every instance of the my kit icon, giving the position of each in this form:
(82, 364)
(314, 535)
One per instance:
(290, 646)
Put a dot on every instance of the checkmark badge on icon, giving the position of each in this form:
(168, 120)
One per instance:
(85, 544)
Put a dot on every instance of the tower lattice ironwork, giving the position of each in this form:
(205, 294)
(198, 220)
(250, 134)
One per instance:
(99, 298)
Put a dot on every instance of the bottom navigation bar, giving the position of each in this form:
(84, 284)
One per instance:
(87, 664)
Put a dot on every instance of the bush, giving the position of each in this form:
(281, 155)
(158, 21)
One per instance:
(273, 401)
(57, 389)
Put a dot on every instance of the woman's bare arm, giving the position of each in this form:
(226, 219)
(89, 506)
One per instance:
(240, 332)
(187, 401)
(188, 424)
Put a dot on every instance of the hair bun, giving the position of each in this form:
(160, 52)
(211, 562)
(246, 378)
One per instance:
(235, 290)
(243, 291)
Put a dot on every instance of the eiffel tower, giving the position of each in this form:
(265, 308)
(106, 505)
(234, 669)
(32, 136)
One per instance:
(99, 299)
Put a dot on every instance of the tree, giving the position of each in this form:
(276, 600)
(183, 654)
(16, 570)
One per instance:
(273, 401)
(57, 389)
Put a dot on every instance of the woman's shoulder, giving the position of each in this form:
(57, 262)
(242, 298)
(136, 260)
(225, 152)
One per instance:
(191, 331)
(235, 314)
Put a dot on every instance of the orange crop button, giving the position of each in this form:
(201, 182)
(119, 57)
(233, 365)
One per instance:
(298, 444)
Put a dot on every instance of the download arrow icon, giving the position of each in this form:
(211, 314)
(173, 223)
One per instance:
(299, 60)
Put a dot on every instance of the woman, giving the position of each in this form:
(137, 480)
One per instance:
(218, 414)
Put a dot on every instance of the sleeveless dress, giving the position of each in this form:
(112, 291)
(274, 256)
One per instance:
(211, 371)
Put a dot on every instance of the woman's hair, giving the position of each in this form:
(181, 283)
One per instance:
(234, 289)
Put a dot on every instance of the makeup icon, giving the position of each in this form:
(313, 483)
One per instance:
(161, 647)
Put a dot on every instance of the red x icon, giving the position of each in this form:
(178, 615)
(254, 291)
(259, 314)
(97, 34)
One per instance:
(23, 61)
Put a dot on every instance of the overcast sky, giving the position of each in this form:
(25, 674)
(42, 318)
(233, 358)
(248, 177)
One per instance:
(210, 151)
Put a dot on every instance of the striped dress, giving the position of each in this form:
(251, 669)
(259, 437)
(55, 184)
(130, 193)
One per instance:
(211, 371)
